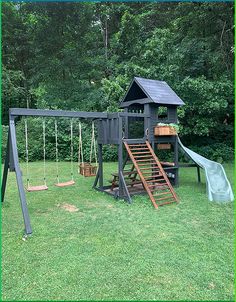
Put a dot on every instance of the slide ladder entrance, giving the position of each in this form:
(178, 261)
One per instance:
(151, 173)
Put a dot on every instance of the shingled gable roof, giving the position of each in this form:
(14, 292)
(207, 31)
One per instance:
(151, 91)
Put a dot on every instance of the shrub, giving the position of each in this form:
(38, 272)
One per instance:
(219, 152)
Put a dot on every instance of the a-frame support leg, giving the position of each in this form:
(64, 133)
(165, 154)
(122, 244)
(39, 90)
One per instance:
(13, 146)
(6, 167)
(125, 193)
(96, 179)
(123, 190)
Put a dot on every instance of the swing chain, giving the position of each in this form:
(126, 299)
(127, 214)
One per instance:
(56, 141)
(27, 153)
(80, 150)
(71, 149)
(44, 152)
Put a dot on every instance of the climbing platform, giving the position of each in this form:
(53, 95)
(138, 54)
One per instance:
(151, 173)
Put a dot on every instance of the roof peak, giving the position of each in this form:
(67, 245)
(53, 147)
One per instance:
(156, 91)
(141, 78)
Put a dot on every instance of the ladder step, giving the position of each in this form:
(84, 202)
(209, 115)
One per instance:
(158, 184)
(141, 148)
(145, 160)
(138, 145)
(164, 198)
(168, 202)
(150, 165)
(163, 193)
(160, 189)
(141, 153)
(141, 156)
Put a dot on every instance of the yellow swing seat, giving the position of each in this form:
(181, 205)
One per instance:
(36, 188)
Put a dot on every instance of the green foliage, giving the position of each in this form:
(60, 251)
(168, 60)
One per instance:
(4, 141)
(14, 93)
(219, 152)
(206, 100)
(82, 56)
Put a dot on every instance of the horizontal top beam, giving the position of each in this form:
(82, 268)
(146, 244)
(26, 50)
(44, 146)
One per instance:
(56, 113)
(72, 114)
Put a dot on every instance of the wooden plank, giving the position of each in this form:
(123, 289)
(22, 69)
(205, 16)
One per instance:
(162, 193)
(137, 149)
(162, 171)
(36, 188)
(65, 184)
(135, 145)
(150, 164)
(158, 180)
(141, 153)
(145, 160)
(143, 156)
(164, 198)
(168, 202)
(140, 175)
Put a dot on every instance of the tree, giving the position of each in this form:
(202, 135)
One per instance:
(82, 56)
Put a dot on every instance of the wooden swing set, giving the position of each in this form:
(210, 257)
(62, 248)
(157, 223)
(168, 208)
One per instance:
(84, 168)
(12, 159)
(141, 102)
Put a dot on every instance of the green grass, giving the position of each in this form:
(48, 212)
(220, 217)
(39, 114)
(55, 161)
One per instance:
(109, 250)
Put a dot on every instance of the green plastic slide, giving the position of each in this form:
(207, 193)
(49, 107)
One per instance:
(217, 183)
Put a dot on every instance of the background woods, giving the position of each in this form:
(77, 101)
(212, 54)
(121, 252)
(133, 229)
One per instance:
(82, 56)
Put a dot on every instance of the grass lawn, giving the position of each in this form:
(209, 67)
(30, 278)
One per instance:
(109, 250)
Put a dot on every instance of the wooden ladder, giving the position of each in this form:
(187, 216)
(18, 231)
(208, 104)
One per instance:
(151, 173)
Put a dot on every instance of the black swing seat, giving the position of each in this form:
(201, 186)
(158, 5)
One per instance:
(65, 184)
(36, 188)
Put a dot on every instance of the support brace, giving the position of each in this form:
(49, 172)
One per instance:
(12, 147)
